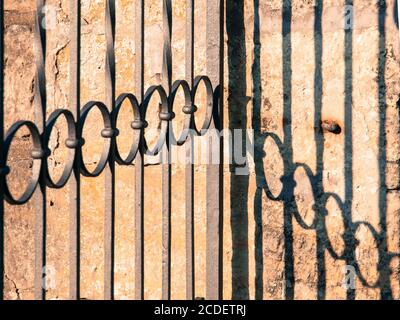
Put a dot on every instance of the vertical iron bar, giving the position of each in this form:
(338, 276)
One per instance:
(40, 116)
(384, 259)
(214, 171)
(189, 168)
(139, 160)
(74, 184)
(348, 150)
(2, 160)
(109, 219)
(166, 164)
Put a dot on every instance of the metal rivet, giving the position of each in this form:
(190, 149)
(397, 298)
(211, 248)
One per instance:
(139, 124)
(331, 126)
(40, 153)
(166, 116)
(189, 109)
(109, 133)
(74, 143)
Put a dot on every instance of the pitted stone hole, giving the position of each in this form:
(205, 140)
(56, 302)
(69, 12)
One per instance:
(20, 162)
(331, 126)
(59, 152)
(127, 135)
(93, 147)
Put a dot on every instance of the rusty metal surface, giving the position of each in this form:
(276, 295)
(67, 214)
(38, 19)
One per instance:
(40, 120)
(139, 161)
(189, 167)
(166, 166)
(109, 214)
(74, 184)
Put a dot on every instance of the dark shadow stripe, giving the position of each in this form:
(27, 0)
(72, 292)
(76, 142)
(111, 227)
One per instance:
(237, 106)
(288, 181)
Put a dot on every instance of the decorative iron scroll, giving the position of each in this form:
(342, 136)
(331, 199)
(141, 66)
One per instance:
(41, 129)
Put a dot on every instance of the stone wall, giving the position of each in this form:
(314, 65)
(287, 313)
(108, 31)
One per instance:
(287, 69)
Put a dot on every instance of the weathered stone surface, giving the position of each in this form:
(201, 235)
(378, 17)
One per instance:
(282, 78)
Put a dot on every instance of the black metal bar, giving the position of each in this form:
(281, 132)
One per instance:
(74, 184)
(166, 163)
(214, 171)
(40, 118)
(2, 161)
(109, 219)
(139, 161)
(189, 167)
(348, 151)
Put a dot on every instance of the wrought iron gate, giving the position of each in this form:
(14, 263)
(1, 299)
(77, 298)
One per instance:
(40, 131)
